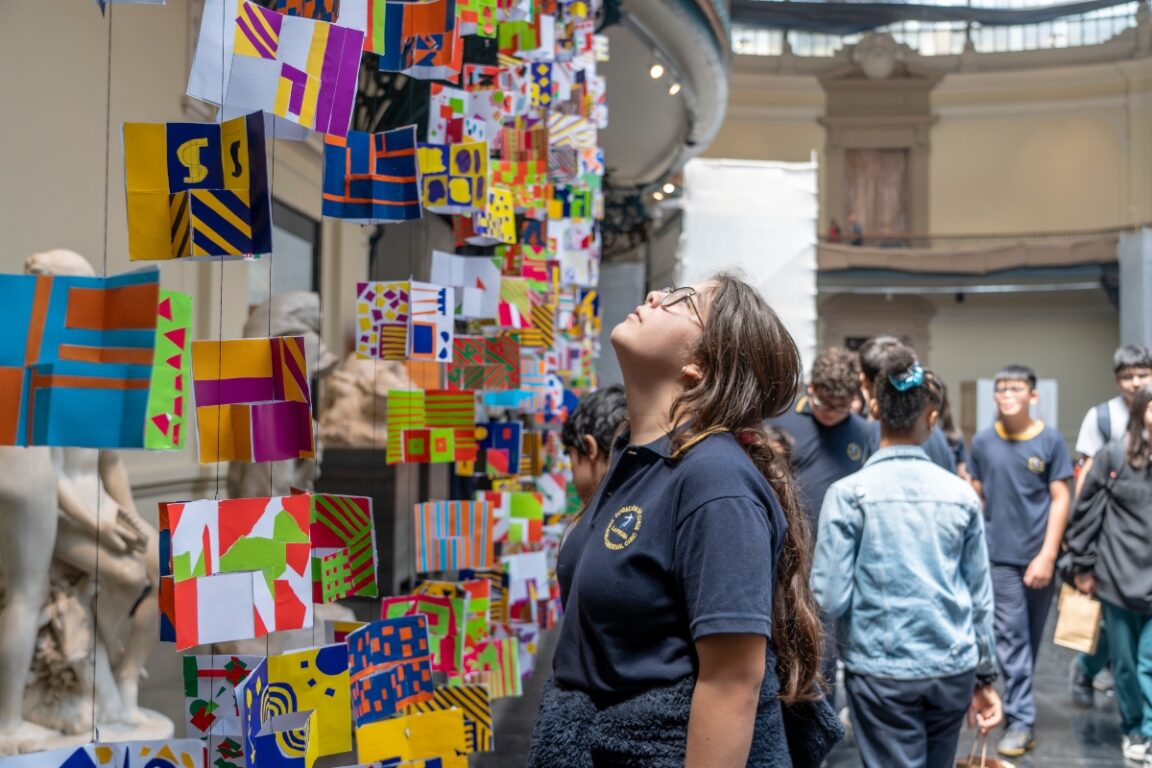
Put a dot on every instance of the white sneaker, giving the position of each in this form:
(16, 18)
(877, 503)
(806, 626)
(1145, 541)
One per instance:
(1133, 747)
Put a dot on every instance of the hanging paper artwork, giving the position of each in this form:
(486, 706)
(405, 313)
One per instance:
(476, 17)
(518, 516)
(343, 540)
(474, 702)
(421, 40)
(390, 667)
(497, 222)
(500, 442)
(235, 569)
(372, 177)
(312, 681)
(485, 363)
(444, 621)
(437, 738)
(383, 311)
(211, 709)
(542, 330)
(253, 401)
(171, 364)
(474, 596)
(299, 69)
(571, 131)
(170, 753)
(197, 190)
(499, 662)
(454, 177)
(515, 308)
(76, 346)
(476, 278)
(432, 427)
(451, 535)
(317, 10)
(430, 328)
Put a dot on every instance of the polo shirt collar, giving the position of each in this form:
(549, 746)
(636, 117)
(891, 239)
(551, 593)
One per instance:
(803, 406)
(660, 446)
(897, 452)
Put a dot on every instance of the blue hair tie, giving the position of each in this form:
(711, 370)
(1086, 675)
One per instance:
(910, 379)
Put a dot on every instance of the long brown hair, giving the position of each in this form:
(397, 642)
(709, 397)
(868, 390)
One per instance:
(751, 372)
(1139, 452)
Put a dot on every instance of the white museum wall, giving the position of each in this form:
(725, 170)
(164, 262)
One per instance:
(1028, 150)
(758, 218)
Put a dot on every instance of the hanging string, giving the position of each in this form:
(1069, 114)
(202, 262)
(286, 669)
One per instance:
(99, 452)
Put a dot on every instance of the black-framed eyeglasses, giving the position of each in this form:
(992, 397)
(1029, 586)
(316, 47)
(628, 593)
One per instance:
(673, 296)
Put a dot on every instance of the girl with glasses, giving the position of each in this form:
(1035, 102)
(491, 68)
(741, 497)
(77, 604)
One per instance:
(690, 636)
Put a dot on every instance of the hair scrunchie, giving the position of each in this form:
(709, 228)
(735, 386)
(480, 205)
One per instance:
(910, 379)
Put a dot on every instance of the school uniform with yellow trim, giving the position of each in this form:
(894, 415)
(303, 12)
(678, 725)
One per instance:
(670, 550)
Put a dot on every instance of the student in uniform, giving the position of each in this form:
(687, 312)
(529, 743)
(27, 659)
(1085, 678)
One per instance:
(1132, 366)
(901, 560)
(830, 442)
(587, 436)
(1020, 467)
(690, 637)
(874, 356)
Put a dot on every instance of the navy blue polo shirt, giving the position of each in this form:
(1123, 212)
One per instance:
(822, 455)
(667, 552)
(937, 447)
(1015, 471)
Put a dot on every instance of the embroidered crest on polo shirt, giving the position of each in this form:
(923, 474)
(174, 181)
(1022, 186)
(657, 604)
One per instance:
(623, 527)
(855, 452)
(1036, 465)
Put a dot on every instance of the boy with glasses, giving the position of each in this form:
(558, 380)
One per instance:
(1020, 467)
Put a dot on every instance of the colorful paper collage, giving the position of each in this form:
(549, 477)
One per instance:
(369, 16)
(313, 681)
(372, 177)
(485, 363)
(431, 322)
(76, 346)
(211, 708)
(171, 753)
(197, 190)
(383, 311)
(458, 115)
(343, 543)
(171, 373)
(421, 40)
(500, 661)
(390, 667)
(474, 702)
(518, 516)
(476, 278)
(236, 568)
(527, 571)
(434, 426)
(515, 308)
(541, 332)
(438, 734)
(299, 69)
(571, 131)
(497, 222)
(476, 594)
(451, 535)
(253, 401)
(497, 590)
(476, 17)
(500, 442)
(319, 10)
(453, 177)
(444, 625)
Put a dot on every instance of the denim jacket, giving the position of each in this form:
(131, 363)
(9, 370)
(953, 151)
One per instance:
(902, 563)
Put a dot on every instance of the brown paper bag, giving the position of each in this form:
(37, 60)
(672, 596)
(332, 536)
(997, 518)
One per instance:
(1078, 625)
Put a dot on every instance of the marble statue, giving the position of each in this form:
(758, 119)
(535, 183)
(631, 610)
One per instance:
(292, 313)
(76, 627)
(353, 403)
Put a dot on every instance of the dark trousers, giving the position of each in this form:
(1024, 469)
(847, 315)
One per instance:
(1130, 636)
(1020, 616)
(908, 723)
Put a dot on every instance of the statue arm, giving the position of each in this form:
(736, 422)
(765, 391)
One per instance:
(114, 478)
